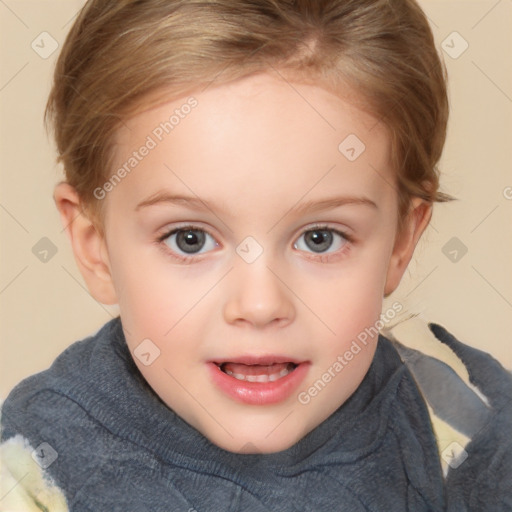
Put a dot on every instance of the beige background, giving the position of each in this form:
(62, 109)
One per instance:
(44, 306)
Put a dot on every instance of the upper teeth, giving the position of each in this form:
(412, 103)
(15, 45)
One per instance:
(260, 378)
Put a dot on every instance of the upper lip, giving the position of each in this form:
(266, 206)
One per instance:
(261, 360)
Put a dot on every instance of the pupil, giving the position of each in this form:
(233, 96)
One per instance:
(190, 241)
(321, 240)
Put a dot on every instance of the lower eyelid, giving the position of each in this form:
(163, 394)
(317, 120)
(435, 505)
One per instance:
(328, 257)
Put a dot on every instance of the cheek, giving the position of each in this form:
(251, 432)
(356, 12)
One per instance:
(351, 295)
(150, 294)
(163, 304)
(350, 303)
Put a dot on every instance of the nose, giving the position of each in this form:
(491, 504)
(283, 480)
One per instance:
(258, 296)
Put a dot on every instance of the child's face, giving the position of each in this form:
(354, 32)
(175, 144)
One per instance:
(257, 158)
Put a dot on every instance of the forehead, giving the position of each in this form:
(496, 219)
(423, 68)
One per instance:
(261, 136)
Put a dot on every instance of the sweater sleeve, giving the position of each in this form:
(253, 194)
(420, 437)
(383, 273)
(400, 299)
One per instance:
(484, 480)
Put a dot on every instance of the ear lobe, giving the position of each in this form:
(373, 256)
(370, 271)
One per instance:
(417, 220)
(89, 247)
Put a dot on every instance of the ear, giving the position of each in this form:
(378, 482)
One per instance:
(417, 220)
(89, 247)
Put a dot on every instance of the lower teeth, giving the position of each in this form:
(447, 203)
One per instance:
(261, 378)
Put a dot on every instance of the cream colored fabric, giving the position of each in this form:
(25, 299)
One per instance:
(414, 333)
(24, 486)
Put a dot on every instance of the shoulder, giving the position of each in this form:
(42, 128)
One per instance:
(68, 375)
(47, 412)
(87, 419)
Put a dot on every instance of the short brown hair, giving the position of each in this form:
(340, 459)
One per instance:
(120, 55)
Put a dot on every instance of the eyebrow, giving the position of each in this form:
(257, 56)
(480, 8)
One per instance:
(199, 204)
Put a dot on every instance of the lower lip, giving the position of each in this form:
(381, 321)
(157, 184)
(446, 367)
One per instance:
(259, 393)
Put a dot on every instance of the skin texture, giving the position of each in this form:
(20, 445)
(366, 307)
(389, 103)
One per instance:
(253, 149)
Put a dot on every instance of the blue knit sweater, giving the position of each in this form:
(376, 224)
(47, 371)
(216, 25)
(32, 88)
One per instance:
(120, 448)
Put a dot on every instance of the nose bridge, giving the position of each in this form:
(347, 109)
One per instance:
(257, 295)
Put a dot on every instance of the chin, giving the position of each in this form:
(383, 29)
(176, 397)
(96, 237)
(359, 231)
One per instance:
(256, 442)
(247, 446)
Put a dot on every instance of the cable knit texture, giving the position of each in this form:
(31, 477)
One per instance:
(120, 448)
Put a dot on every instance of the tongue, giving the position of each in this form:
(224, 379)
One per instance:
(254, 369)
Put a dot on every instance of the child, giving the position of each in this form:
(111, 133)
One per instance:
(295, 143)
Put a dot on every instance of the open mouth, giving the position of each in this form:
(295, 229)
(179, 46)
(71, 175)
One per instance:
(258, 380)
(257, 372)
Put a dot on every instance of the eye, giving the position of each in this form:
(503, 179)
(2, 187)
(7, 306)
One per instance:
(322, 238)
(189, 240)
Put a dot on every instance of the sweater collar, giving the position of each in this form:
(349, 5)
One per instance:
(119, 397)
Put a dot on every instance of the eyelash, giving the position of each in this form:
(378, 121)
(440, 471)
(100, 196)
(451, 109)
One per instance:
(323, 258)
